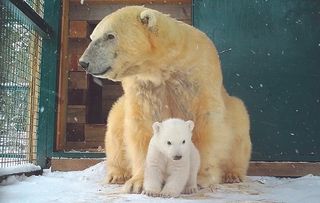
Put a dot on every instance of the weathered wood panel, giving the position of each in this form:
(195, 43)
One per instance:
(78, 29)
(77, 97)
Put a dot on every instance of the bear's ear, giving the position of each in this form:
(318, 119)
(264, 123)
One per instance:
(149, 19)
(190, 125)
(156, 128)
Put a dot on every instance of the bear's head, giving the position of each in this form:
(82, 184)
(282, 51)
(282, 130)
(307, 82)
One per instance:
(125, 43)
(173, 137)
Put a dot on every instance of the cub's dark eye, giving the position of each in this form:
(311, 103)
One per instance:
(110, 37)
(183, 141)
(169, 143)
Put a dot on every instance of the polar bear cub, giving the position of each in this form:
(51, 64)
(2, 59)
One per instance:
(172, 162)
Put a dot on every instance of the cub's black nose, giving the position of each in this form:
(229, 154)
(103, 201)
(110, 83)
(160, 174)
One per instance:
(177, 157)
(84, 65)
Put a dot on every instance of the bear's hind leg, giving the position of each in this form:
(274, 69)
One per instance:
(237, 165)
(117, 164)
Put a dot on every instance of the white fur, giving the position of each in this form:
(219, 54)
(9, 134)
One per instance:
(165, 176)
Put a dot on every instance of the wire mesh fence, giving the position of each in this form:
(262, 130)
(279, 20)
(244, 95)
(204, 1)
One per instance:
(20, 54)
(36, 5)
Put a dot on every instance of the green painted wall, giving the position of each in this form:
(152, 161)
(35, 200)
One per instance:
(270, 54)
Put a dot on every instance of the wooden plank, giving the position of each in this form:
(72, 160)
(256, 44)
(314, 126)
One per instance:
(78, 29)
(95, 133)
(84, 146)
(131, 2)
(76, 114)
(63, 79)
(78, 80)
(97, 12)
(283, 169)
(58, 164)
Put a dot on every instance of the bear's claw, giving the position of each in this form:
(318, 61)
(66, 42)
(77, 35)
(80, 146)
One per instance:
(231, 178)
(133, 185)
(168, 194)
(117, 178)
(151, 193)
(190, 190)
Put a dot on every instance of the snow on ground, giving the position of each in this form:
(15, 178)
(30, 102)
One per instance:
(19, 169)
(88, 186)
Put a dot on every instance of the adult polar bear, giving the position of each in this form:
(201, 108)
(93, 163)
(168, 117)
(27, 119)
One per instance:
(167, 69)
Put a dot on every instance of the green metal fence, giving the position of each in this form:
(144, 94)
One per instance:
(24, 36)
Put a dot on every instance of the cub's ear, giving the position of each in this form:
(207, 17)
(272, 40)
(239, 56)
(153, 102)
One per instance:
(149, 19)
(156, 128)
(190, 125)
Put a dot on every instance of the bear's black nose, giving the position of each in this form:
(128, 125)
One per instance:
(84, 64)
(177, 157)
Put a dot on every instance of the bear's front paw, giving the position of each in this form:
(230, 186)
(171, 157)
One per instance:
(208, 182)
(151, 193)
(190, 190)
(133, 185)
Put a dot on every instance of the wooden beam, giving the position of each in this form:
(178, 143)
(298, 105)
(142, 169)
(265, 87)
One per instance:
(63, 79)
(131, 2)
(97, 12)
(58, 164)
(283, 169)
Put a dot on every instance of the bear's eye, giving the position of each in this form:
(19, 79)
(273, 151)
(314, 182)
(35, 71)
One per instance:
(110, 36)
(183, 141)
(169, 143)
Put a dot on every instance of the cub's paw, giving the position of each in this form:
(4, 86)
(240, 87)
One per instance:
(231, 178)
(117, 178)
(150, 193)
(133, 185)
(190, 190)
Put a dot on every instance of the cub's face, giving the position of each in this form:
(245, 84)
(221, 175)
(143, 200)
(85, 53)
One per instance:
(173, 137)
(119, 45)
